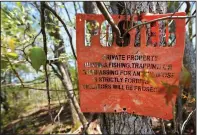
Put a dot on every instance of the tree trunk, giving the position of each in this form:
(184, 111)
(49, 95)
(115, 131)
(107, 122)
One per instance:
(123, 123)
(75, 108)
(77, 115)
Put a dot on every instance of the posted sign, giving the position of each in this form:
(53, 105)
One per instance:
(110, 77)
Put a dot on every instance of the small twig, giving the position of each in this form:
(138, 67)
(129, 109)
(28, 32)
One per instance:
(193, 36)
(80, 7)
(159, 19)
(190, 18)
(36, 5)
(58, 115)
(67, 12)
(41, 89)
(186, 121)
(15, 72)
(34, 39)
(178, 8)
(17, 84)
(56, 72)
(175, 12)
(75, 7)
(88, 124)
(65, 27)
(110, 20)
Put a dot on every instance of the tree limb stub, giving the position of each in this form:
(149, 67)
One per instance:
(110, 20)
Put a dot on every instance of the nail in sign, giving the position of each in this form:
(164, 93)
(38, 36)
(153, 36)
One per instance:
(129, 75)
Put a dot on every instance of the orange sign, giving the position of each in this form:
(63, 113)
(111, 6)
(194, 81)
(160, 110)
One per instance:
(110, 74)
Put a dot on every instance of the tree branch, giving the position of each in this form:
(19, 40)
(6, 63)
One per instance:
(42, 19)
(41, 89)
(187, 7)
(190, 18)
(159, 19)
(186, 121)
(58, 115)
(193, 36)
(15, 72)
(34, 39)
(75, 7)
(110, 20)
(80, 7)
(64, 25)
(66, 12)
(56, 72)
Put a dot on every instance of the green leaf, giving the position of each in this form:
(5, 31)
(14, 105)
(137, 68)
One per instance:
(185, 77)
(37, 57)
(12, 55)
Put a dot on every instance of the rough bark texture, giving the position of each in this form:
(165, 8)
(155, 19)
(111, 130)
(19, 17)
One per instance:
(90, 8)
(189, 61)
(67, 83)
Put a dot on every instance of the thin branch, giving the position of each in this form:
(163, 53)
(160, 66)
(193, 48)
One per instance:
(177, 8)
(187, 7)
(80, 7)
(16, 84)
(67, 12)
(42, 19)
(34, 39)
(36, 5)
(174, 13)
(41, 89)
(193, 36)
(15, 72)
(159, 19)
(75, 7)
(88, 124)
(190, 18)
(64, 25)
(56, 72)
(186, 121)
(33, 88)
(58, 115)
(110, 20)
